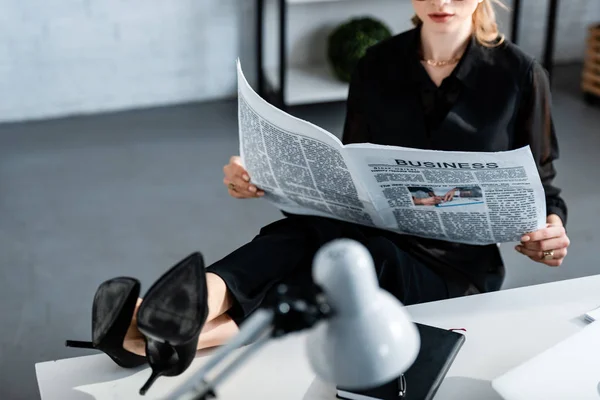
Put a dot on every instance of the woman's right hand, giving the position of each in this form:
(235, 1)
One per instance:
(237, 180)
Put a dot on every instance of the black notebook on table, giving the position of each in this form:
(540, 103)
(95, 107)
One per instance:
(439, 348)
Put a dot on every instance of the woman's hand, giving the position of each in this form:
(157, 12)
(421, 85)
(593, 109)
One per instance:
(428, 201)
(450, 195)
(237, 180)
(548, 245)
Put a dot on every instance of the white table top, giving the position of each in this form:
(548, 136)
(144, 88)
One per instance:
(503, 329)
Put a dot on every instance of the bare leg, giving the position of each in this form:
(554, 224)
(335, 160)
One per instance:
(217, 332)
(219, 327)
(219, 298)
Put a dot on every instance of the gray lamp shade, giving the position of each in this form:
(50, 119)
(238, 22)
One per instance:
(370, 339)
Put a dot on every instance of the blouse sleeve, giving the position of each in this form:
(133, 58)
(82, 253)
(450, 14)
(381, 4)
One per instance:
(355, 125)
(536, 129)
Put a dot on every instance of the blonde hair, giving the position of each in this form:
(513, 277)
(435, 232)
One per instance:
(485, 26)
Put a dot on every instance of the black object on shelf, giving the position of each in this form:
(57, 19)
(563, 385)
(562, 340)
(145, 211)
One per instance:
(349, 42)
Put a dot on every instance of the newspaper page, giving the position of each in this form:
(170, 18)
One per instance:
(464, 197)
(299, 165)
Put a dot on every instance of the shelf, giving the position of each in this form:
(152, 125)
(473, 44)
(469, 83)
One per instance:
(309, 84)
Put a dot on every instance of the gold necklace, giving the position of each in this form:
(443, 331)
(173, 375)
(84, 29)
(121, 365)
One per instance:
(442, 63)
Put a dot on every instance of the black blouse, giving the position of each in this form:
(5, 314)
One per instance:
(496, 99)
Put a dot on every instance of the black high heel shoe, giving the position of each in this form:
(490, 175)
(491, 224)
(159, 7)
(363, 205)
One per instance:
(171, 317)
(112, 311)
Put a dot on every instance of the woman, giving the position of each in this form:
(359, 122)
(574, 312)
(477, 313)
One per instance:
(451, 83)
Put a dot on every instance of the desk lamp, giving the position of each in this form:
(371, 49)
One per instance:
(362, 335)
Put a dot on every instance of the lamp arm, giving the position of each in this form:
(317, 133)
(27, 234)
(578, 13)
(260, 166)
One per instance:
(289, 311)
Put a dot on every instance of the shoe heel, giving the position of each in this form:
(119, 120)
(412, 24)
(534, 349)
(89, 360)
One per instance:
(167, 360)
(112, 311)
(171, 317)
(155, 375)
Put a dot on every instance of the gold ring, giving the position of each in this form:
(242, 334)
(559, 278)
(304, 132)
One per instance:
(231, 186)
(548, 254)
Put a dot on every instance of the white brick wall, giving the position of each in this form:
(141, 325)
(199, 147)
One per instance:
(65, 57)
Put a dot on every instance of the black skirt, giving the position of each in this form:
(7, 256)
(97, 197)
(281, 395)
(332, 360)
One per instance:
(283, 253)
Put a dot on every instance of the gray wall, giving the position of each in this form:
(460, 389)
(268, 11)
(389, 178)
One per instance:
(83, 56)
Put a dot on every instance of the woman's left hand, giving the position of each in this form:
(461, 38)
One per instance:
(548, 245)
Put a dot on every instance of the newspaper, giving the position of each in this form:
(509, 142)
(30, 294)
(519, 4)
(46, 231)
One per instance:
(465, 197)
